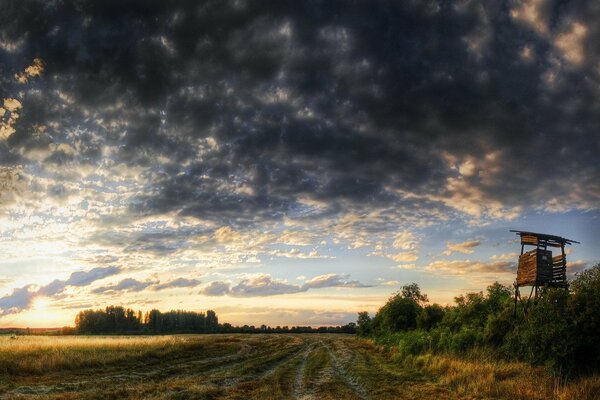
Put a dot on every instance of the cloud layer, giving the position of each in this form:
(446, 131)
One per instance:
(182, 138)
(245, 109)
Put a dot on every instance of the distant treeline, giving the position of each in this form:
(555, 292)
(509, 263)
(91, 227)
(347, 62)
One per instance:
(120, 320)
(560, 330)
(228, 328)
(116, 319)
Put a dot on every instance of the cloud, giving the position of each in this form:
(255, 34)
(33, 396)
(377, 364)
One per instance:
(535, 13)
(331, 280)
(126, 285)
(262, 285)
(22, 298)
(383, 282)
(571, 43)
(406, 240)
(463, 267)
(35, 69)
(505, 257)
(9, 114)
(404, 257)
(464, 247)
(177, 283)
(265, 285)
(574, 267)
(217, 288)
(79, 278)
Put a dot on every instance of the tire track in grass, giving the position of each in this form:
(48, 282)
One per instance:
(262, 367)
(300, 391)
(340, 370)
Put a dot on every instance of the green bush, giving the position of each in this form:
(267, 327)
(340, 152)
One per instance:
(465, 339)
(441, 336)
(585, 310)
(430, 317)
(498, 326)
(413, 343)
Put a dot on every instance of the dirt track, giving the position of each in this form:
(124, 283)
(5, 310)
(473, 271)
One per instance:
(306, 367)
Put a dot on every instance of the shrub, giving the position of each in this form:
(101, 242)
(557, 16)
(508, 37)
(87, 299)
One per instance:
(498, 326)
(413, 343)
(430, 316)
(585, 311)
(465, 339)
(544, 337)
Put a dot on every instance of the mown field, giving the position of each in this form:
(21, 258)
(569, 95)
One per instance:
(309, 366)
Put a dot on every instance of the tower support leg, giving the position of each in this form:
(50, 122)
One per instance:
(516, 300)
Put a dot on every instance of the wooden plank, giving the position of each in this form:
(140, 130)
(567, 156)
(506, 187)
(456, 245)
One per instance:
(528, 239)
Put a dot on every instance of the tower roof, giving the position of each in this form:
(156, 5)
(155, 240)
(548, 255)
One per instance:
(526, 237)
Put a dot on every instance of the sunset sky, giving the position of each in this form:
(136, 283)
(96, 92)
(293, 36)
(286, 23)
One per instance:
(289, 162)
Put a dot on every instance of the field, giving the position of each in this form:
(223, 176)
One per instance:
(310, 366)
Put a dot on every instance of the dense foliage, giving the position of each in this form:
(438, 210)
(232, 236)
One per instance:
(560, 330)
(116, 319)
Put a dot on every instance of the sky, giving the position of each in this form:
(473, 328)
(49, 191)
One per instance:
(290, 162)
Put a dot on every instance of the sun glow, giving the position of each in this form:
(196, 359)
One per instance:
(40, 303)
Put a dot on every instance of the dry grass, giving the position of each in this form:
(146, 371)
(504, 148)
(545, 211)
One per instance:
(307, 367)
(39, 354)
(479, 375)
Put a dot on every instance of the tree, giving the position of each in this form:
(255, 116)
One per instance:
(212, 322)
(364, 324)
(430, 316)
(498, 296)
(413, 292)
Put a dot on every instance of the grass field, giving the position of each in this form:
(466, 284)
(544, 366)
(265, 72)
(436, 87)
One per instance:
(288, 366)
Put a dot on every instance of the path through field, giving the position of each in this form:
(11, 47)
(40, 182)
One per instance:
(306, 367)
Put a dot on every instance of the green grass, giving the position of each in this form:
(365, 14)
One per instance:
(259, 367)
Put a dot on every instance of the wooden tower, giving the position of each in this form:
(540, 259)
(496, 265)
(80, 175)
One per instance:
(537, 268)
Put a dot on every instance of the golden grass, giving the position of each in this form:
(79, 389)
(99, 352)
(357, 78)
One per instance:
(230, 367)
(29, 343)
(39, 354)
(481, 375)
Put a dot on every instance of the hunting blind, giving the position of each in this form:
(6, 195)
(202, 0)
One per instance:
(537, 267)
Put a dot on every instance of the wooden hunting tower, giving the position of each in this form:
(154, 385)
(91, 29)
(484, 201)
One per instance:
(537, 268)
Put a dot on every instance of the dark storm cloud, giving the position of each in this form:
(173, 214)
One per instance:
(255, 105)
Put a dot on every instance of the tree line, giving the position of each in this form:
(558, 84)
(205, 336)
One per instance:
(559, 330)
(117, 319)
(120, 320)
